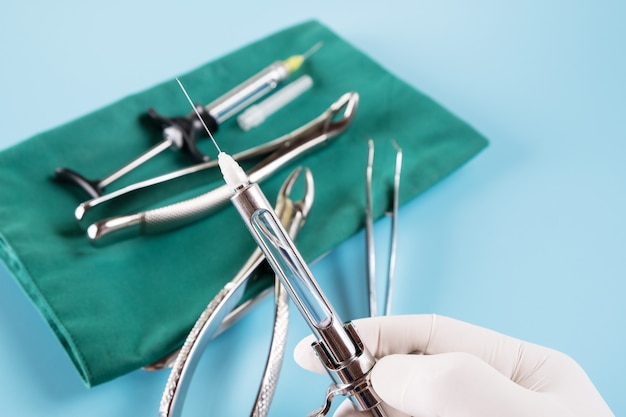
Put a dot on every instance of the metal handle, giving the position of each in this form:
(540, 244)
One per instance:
(309, 137)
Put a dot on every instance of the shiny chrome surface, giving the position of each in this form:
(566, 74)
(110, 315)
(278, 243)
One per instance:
(394, 228)
(339, 347)
(293, 215)
(370, 253)
(282, 151)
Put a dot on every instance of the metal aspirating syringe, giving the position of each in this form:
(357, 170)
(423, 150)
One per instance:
(338, 345)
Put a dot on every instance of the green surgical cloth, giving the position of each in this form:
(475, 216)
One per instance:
(119, 307)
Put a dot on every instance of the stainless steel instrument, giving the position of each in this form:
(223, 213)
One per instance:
(370, 252)
(339, 347)
(370, 255)
(282, 151)
(293, 215)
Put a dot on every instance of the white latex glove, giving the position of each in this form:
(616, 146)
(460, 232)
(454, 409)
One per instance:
(465, 371)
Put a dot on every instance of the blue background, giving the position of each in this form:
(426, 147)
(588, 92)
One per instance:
(527, 239)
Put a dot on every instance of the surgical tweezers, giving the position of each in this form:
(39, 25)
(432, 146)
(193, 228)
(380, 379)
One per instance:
(369, 230)
(292, 215)
(281, 151)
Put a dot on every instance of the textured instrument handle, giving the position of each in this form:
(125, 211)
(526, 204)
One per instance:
(185, 212)
(276, 353)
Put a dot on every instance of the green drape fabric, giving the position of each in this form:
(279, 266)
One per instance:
(118, 307)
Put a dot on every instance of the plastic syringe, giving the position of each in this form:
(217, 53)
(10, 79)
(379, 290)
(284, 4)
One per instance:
(257, 113)
(256, 86)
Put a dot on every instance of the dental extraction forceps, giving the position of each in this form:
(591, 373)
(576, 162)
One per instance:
(283, 150)
(292, 215)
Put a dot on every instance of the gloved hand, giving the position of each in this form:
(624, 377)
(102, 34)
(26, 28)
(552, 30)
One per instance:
(435, 366)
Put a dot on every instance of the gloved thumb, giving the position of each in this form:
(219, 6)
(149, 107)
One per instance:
(454, 385)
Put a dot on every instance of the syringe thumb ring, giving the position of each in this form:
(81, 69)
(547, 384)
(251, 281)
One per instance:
(352, 372)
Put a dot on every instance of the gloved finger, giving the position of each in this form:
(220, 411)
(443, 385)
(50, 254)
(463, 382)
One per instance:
(432, 334)
(455, 384)
(304, 356)
(382, 336)
(507, 369)
(346, 409)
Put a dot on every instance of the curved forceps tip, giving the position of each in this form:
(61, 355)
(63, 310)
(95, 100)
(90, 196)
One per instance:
(345, 106)
(304, 205)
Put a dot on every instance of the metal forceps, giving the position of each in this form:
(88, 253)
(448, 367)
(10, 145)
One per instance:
(91, 214)
(369, 229)
(293, 215)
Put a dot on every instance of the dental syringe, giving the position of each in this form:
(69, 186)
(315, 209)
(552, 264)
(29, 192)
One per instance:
(338, 345)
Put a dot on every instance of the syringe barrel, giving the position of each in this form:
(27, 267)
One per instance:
(338, 346)
(247, 92)
(284, 257)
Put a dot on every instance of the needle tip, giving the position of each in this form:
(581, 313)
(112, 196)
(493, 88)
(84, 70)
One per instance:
(313, 49)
